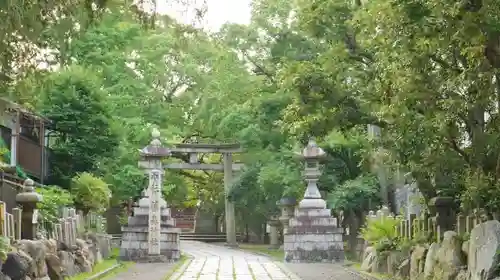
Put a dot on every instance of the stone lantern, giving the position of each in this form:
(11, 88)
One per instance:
(28, 200)
(274, 222)
(287, 206)
(443, 209)
(313, 235)
(312, 197)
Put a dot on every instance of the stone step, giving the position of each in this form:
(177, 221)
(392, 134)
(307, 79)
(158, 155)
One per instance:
(206, 237)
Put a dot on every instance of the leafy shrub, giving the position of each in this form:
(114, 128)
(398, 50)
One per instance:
(123, 217)
(381, 233)
(422, 237)
(54, 198)
(353, 194)
(4, 248)
(90, 193)
(464, 237)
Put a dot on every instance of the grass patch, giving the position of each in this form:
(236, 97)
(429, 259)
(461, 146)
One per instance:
(251, 273)
(234, 268)
(177, 266)
(102, 266)
(277, 254)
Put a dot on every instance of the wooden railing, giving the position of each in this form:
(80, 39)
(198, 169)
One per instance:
(29, 155)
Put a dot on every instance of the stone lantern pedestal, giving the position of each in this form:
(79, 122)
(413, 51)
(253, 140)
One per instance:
(28, 200)
(313, 235)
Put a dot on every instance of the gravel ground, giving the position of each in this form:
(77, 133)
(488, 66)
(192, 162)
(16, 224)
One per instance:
(145, 271)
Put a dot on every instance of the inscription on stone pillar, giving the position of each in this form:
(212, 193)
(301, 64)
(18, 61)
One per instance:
(155, 183)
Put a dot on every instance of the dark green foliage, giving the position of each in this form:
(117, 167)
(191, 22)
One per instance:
(76, 105)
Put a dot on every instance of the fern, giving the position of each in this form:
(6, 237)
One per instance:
(381, 233)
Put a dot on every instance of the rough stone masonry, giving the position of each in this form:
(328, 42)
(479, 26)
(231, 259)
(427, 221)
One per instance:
(313, 234)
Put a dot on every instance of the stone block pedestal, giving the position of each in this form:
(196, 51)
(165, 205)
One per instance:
(134, 245)
(313, 236)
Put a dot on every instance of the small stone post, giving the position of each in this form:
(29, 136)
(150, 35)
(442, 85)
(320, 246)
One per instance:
(274, 222)
(16, 212)
(73, 225)
(60, 232)
(28, 200)
(10, 226)
(3, 218)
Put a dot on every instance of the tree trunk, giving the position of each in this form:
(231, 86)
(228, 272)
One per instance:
(424, 185)
(247, 233)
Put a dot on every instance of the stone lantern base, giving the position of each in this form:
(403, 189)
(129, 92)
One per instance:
(134, 245)
(313, 237)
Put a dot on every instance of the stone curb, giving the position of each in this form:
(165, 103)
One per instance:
(104, 272)
(287, 271)
(361, 274)
(180, 270)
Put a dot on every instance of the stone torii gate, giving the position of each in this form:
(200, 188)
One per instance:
(227, 167)
(227, 151)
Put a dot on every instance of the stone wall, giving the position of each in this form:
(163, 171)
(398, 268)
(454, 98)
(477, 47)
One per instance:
(54, 260)
(452, 258)
(62, 249)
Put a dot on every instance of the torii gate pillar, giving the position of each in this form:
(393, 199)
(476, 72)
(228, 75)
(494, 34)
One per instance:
(229, 206)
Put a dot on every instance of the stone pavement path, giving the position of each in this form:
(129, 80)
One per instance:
(323, 271)
(212, 262)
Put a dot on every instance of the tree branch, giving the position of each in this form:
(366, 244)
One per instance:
(269, 75)
(454, 146)
(444, 64)
(192, 176)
